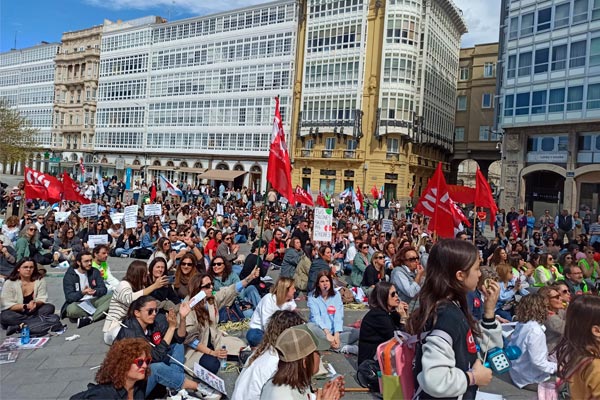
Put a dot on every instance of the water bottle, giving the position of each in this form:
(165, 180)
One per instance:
(223, 360)
(25, 334)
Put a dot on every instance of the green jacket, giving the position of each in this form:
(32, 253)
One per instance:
(358, 269)
(22, 248)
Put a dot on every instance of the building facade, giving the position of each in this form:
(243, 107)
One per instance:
(75, 90)
(194, 99)
(550, 115)
(27, 84)
(375, 93)
(477, 143)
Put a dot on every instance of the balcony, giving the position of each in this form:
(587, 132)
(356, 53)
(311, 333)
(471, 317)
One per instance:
(71, 55)
(340, 154)
(392, 156)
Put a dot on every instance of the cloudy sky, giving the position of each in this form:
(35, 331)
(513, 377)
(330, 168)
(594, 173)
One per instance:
(27, 22)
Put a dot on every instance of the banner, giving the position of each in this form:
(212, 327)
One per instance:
(322, 224)
(461, 194)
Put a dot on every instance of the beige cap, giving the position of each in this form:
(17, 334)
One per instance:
(299, 341)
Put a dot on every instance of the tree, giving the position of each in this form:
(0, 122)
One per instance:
(17, 136)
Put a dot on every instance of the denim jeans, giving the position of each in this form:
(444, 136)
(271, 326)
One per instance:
(250, 293)
(168, 373)
(240, 239)
(120, 251)
(254, 337)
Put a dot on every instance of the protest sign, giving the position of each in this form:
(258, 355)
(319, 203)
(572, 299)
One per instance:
(210, 379)
(220, 209)
(152, 209)
(322, 225)
(131, 216)
(61, 216)
(117, 217)
(88, 210)
(387, 226)
(94, 240)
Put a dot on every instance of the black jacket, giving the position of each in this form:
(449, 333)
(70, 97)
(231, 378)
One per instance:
(155, 335)
(377, 326)
(72, 290)
(133, 242)
(108, 391)
(166, 293)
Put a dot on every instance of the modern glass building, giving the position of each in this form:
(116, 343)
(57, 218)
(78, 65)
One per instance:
(550, 112)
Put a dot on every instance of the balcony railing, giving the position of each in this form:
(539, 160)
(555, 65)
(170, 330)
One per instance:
(340, 154)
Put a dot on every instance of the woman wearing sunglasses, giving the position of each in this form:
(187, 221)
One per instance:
(203, 336)
(123, 372)
(555, 319)
(186, 269)
(29, 245)
(223, 276)
(144, 321)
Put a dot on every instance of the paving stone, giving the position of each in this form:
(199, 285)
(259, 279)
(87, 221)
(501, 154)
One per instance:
(65, 362)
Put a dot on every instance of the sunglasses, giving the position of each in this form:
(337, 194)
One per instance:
(140, 361)
(151, 311)
(227, 238)
(217, 264)
(554, 297)
(412, 259)
(207, 286)
(379, 257)
(394, 294)
(564, 291)
(187, 264)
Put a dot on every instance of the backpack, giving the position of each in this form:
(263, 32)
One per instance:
(40, 325)
(141, 253)
(347, 295)
(396, 358)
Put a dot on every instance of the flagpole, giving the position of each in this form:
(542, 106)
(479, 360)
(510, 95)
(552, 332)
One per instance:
(474, 222)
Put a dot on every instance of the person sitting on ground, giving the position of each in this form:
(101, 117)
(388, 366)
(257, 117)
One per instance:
(263, 362)
(123, 373)
(322, 263)
(227, 250)
(386, 315)
(589, 266)
(83, 283)
(100, 262)
(204, 338)
(298, 348)
(546, 273)
(510, 286)
(574, 280)
(186, 269)
(554, 326)
(291, 258)
(126, 243)
(359, 265)
(150, 239)
(23, 296)
(166, 296)
(258, 257)
(144, 321)
(66, 246)
(7, 260)
(374, 273)
(29, 246)
(221, 272)
(408, 274)
(280, 298)
(301, 274)
(533, 366)
(129, 289)
(327, 312)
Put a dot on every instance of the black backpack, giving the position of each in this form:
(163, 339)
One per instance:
(40, 325)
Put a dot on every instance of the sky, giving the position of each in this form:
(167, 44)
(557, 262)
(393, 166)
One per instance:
(33, 21)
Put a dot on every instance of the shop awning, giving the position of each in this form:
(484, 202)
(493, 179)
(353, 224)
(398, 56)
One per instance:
(191, 170)
(221, 175)
(133, 167)
(158, 168)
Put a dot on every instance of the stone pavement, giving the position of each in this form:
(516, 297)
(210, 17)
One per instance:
(61, 368)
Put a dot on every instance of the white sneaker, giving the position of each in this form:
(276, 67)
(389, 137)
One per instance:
(349, 349)
(182, 395)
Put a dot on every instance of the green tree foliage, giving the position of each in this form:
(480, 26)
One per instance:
(17, 136)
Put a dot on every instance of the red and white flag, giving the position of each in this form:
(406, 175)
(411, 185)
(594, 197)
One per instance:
(435, 202)
(321, 202)
(72, 191)
(360, 199)
(303, 197)
(41, 186)
(279, 166)
(483, 195)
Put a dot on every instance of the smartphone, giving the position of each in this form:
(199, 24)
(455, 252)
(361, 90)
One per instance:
(171, 279)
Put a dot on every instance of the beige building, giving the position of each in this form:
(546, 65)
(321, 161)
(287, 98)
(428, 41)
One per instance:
(76, 84)
(476, 143)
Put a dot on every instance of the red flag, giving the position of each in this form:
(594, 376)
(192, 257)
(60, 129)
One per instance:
(41, 186)
(483, 195)
(71, 190)
(412, 192)
(153, 192)
(359, 197)
(279, 166)
(462, 194)
(436, 203)
(514, 226)
(302, 196)
(321, 202)
(375, 192)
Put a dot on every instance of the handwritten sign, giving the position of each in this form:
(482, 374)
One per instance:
(210, 379)
(131, 216)
(220, 209)
(88, 210)
(117, 217)
(94, 240)
(322, 225)
(62, 216)
(152, 209)
(387, 226)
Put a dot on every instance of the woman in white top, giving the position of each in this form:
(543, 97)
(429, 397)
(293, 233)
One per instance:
(280, 298)
(128, 290)
(263, 362)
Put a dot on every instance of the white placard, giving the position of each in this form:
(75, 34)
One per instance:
(61, 216)
(210, 379)
(88, 210)
(220, 209)
(131, 216)
(117, 217)
(197, 298)
(94, 240)
(322, 225)
(152, 209)
(387, 226)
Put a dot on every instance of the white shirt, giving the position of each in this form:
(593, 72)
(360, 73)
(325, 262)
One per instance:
(83, 283)
(251, 380)
(533, 365)
(265, 308)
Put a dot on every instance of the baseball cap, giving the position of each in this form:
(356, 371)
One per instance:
(299, 341)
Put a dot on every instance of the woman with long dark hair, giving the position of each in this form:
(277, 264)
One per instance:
(129, 289)
(166, 296)
(23, 295)
(184, 273)
(446, 363)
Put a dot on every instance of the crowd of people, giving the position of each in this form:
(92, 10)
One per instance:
(541, 279)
